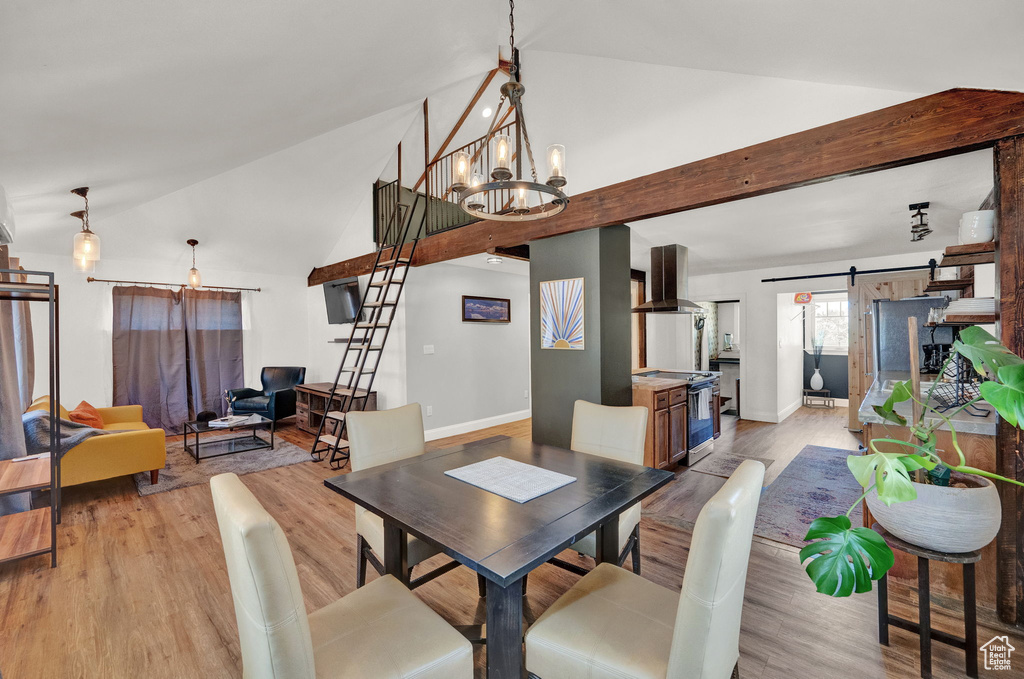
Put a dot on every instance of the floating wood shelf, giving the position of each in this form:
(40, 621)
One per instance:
(953, 284)
(969, 319)
(25, 534)
(18, 477)
(965, 255)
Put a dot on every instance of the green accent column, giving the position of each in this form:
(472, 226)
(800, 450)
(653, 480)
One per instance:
(600, 372)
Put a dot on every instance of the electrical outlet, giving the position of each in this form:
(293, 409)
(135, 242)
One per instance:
(526, 393)
(428, 349)
(430, 411)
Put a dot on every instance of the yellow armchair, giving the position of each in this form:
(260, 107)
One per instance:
(131, 448)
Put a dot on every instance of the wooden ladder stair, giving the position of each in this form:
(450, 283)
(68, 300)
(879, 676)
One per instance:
(365, 346)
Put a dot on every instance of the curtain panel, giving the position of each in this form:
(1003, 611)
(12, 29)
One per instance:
(24, 343)
(213, 326)
(12, 436)
(149, 354)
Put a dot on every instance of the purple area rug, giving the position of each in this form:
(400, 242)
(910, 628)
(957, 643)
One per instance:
(816, 483)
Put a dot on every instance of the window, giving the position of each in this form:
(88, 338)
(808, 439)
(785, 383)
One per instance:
(827, 320)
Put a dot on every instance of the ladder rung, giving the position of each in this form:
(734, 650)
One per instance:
(374, 305)
(381, 284)
(335, 415)
(352, 370)
(372, 326)
(400, 260)
(333, 441)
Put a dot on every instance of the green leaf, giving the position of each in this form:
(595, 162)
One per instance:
(1007, 395)
(984, 351)
(889, 473)
(844, 559)
(913, 462)
(901, 392)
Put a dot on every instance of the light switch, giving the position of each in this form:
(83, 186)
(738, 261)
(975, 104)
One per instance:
(430, 412)
(428, 348)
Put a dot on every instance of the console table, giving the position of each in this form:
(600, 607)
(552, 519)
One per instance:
(311, 403)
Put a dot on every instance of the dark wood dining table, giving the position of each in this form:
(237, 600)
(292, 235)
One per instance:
(500, 539)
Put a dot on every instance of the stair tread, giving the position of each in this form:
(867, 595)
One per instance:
(335, 415)
(333, 441)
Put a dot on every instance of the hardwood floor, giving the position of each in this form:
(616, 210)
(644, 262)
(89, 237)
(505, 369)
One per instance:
(141, 588)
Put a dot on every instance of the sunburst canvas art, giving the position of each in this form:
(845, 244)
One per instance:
(561, 314)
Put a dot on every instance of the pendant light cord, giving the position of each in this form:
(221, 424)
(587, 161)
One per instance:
(512, 34)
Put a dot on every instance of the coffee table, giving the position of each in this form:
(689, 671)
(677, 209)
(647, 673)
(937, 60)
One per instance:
(228, 446)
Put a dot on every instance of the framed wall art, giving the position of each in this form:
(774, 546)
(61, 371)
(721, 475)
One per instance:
(561, 314)
(476, 309)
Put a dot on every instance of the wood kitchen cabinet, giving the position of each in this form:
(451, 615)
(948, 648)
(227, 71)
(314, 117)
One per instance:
(666, 425)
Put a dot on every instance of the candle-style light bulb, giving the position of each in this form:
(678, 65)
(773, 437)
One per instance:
(556, 165)
(460, 171)
(502, 158)
(520, 207)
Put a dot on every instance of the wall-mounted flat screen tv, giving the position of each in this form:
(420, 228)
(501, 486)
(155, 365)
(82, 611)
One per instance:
(342, 297)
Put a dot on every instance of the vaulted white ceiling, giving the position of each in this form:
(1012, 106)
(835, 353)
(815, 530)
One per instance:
(257, 127)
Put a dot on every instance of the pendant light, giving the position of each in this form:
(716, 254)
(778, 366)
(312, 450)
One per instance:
(919, 222)
(86, 250)
(195, 280)
(508, 196)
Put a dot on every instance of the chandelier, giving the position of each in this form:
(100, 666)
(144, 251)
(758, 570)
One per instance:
(86, 251)
(508, 196)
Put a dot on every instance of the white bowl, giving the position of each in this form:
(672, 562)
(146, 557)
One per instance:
(977, 226)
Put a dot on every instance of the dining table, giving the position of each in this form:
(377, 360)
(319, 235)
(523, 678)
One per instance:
(499, 538)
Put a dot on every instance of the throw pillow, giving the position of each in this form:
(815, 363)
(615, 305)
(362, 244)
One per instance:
(85, 414)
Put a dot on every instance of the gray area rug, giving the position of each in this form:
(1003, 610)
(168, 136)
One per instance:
(182, 471)
(816, 483)
(724, 464)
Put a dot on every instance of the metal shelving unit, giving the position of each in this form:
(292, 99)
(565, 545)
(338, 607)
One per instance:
(34, 532)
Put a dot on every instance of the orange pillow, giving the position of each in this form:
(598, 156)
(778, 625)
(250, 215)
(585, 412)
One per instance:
(87, 415)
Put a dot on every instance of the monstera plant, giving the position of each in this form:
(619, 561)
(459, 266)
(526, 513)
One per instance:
(842, 559)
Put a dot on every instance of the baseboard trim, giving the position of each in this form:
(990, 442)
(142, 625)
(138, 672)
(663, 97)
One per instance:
(790, 409)
(466, 427)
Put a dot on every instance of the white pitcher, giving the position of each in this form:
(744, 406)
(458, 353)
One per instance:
(977, 226)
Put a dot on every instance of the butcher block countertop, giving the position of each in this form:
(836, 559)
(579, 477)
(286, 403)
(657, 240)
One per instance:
(657, 383)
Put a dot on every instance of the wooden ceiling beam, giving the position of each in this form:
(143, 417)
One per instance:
(935, 126)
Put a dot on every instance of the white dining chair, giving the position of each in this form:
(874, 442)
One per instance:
(613, 623)
(381, 630)
(376, 438)
(618, 433)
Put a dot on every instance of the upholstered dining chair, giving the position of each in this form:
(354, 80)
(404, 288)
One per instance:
(375, 438)
(382, 630)
(616, 432)
(613, 623)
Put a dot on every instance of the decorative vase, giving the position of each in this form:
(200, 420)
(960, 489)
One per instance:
(817, 383)
(943, 518)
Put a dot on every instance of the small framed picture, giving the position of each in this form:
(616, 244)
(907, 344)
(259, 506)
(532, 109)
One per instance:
(477, 309)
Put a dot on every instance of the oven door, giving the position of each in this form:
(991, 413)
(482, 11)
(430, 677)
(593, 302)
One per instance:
(699, 429)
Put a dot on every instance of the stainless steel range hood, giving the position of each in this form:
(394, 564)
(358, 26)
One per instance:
(669, 283)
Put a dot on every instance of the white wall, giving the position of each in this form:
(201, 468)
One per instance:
(790, 358)
(479, 373)
(273, 331)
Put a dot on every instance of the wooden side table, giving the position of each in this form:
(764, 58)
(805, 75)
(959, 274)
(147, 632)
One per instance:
(819, 398)
(968, 644)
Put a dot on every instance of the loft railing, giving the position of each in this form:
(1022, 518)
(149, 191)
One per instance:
(442, 212)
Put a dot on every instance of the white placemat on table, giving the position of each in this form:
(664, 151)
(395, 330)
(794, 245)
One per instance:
(511, 479)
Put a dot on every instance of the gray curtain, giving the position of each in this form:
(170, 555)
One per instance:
(149, 354)
(213, 322)
(12, 436)
(25, 354)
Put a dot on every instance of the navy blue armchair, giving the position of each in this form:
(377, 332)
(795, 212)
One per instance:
(276, 400)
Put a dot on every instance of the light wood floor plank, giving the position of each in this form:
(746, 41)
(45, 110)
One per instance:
(141, 589)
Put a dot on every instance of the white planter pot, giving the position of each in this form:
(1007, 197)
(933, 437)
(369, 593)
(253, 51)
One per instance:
(945, 519)
(817, 382)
